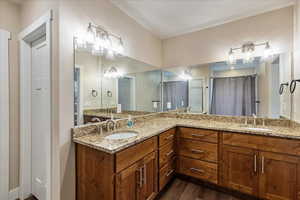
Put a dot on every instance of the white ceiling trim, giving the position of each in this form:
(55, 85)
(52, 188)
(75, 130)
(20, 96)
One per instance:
(140, 20)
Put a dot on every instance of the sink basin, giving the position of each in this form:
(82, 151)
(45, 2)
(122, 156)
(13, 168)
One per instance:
(257, 129)
(122, 135)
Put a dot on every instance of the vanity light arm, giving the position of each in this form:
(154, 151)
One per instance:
(97, 27)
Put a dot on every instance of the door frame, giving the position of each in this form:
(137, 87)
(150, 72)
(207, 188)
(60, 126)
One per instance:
(5, 36)
(38, 28)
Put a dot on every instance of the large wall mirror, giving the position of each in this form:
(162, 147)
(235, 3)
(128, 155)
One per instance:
(119, 86)
(123, 86)
(259, 87)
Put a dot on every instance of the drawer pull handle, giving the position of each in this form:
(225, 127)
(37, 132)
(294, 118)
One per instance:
(169, 173)
(197, 151)
(255, 163)
(170, 153)
(169, 137)
(262, 164)
(197, 170)
(145, 174)
(140, 172)
(197, 135)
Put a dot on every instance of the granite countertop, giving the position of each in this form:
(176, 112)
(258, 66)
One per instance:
(153, 127)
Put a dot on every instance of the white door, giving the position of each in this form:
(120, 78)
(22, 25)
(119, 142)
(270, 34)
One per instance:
(40, 117)
(196, 95)
(4, 115)
(126, 93)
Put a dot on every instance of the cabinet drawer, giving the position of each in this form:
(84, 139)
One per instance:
(132, 154)
(198, 150)
(264, 143)
(166, 173)
(166, 153)
(199, 134)
(166, 137)
(198, 169)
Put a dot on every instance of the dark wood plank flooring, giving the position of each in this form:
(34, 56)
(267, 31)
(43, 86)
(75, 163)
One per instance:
(182, 190)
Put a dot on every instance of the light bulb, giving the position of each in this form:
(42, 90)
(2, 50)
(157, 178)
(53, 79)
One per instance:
(248, 56)
(267, 51)
(110, 54)
(90, 35)
(231, 59)
(80, 40)
(118, 47)
(186, 75)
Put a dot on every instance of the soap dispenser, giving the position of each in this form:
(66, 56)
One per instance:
(129, 122)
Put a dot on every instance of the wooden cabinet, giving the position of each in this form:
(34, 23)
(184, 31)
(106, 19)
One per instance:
(279, 176)
(259, 172)
(240, 169)
(135, 153)
(198, 169)
(198, 134)
(198, 150)
(198, 153)
(150, 171)
(265, 167)
(94, 174)
(167, 157)
(129, 183)
(139, 181)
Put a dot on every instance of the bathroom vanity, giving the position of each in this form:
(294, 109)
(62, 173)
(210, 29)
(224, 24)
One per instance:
(264, 164)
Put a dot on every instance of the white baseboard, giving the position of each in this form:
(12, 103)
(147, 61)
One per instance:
(14, 194)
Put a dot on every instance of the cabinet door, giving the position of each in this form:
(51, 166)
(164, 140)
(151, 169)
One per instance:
(129, 183)
(279, 174)
(240, 169)
(150, 173)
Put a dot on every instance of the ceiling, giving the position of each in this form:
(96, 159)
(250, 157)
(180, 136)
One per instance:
(168, 18)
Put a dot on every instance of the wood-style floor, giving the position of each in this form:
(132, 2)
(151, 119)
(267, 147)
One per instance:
(182, 190)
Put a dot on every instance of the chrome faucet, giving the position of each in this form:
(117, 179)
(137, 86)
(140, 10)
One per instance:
(254, 119)
(111, 125)
(98, 126)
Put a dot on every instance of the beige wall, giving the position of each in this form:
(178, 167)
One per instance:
(212, 44)
(10, 21)
(139, 44)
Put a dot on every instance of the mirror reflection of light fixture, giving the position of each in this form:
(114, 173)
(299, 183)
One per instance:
(248, 51)
(112, 72)
(186, 75)
(268, 51)
(231, 58)
(100, 42)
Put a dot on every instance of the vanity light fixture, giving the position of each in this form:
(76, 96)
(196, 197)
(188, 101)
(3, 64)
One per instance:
(112, 72)
(248, 50)
(100, 42)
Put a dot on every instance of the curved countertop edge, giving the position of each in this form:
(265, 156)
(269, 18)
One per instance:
(241, 130)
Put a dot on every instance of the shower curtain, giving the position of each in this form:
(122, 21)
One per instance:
(175, 92)
(233, 96)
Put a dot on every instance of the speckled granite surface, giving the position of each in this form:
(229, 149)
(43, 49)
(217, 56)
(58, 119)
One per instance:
(156, 125)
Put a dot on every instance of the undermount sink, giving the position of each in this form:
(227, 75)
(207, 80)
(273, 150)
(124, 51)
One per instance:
(257, 129)
(122, 135)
